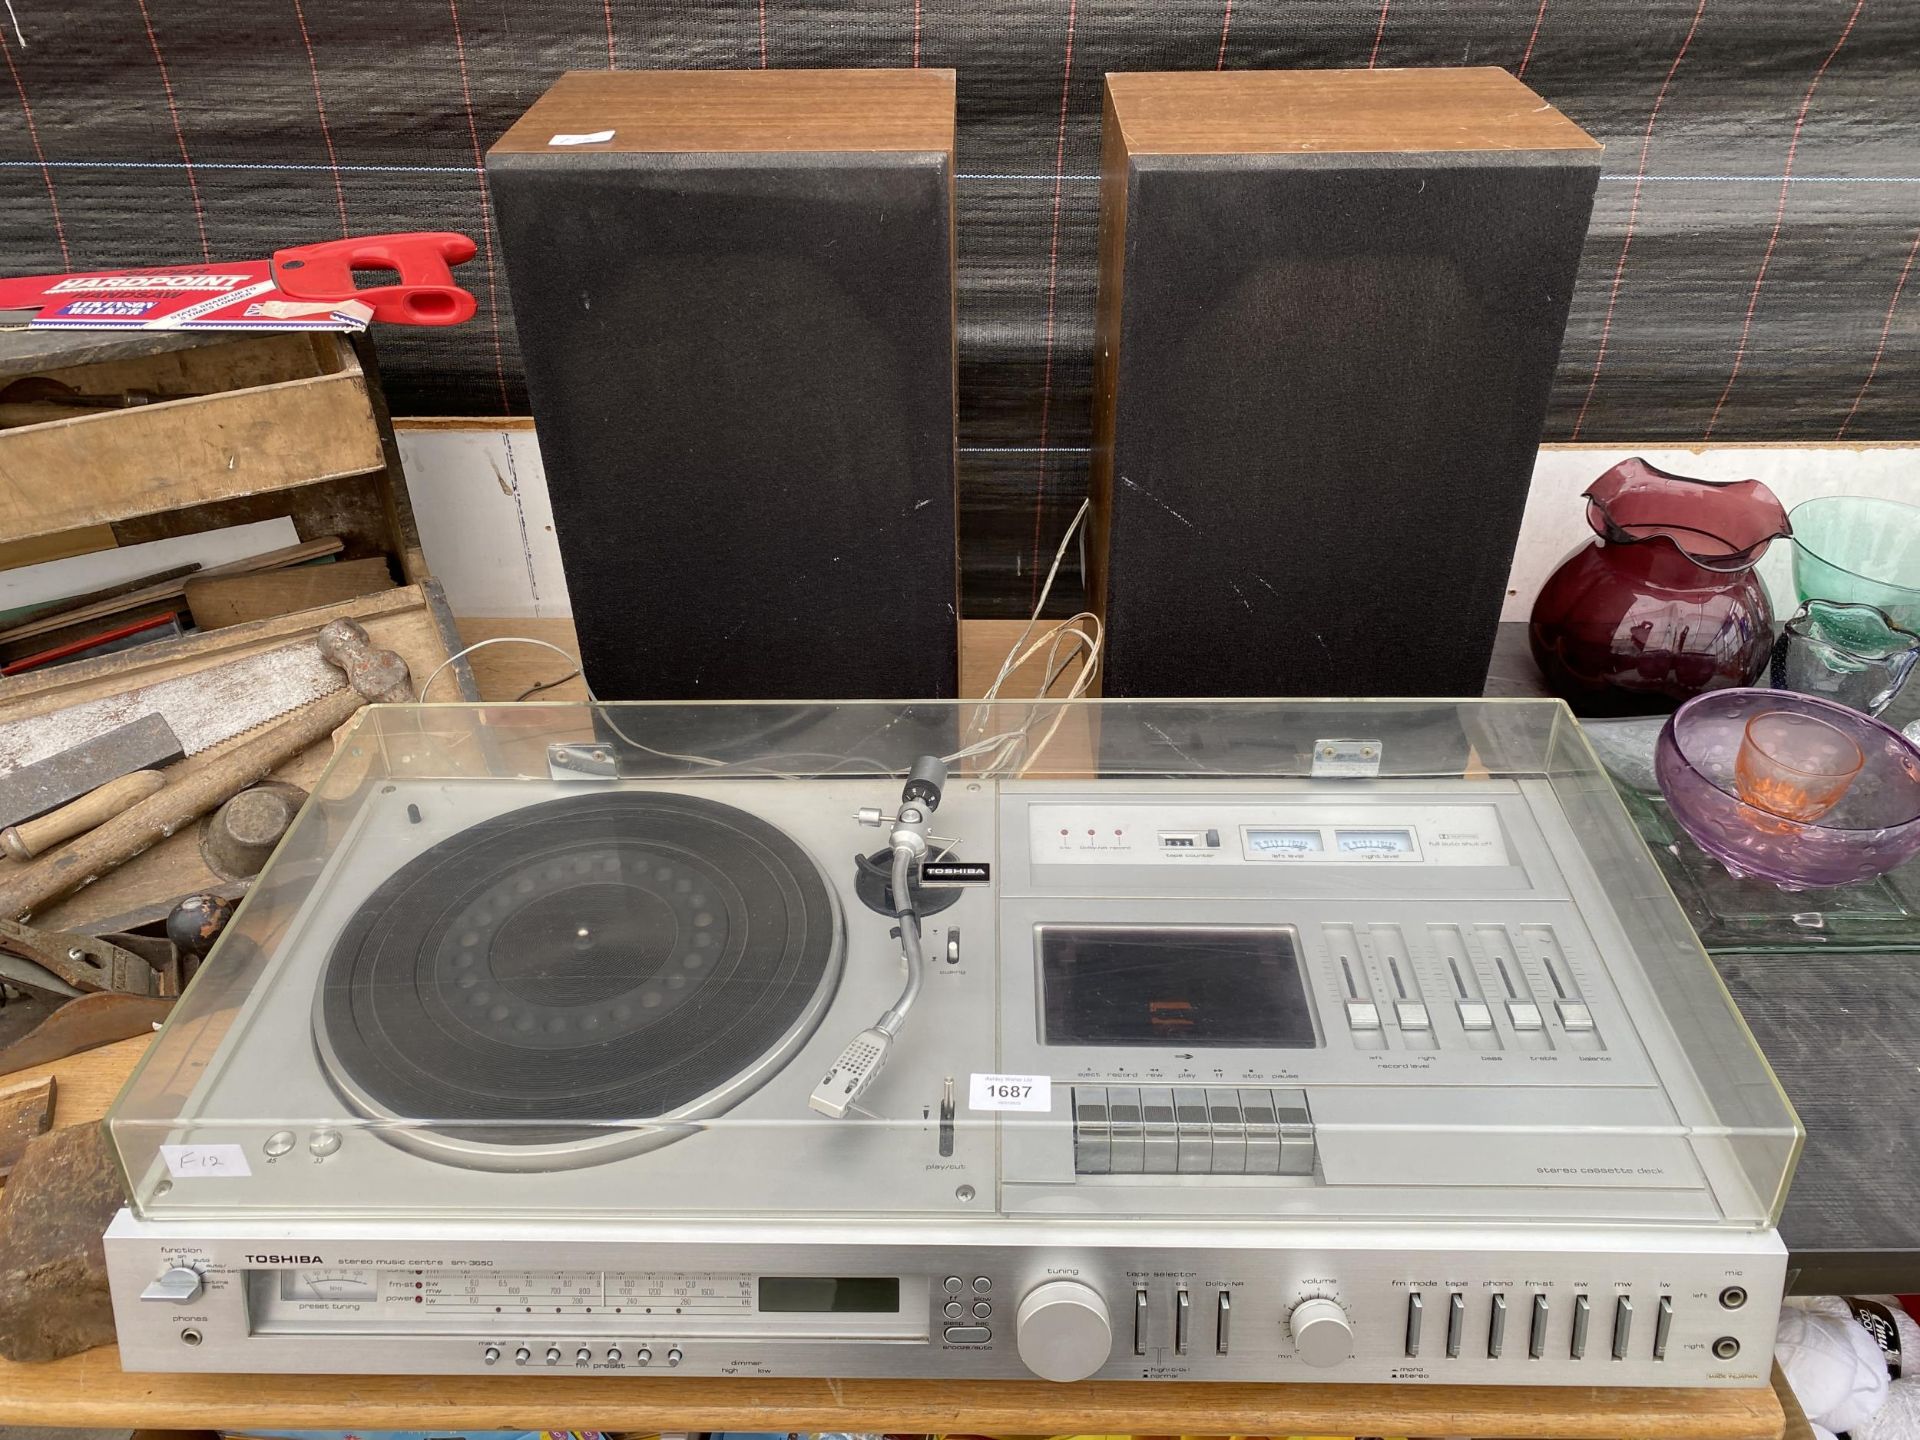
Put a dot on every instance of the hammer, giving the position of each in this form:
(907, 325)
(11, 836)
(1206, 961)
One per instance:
(372, 675)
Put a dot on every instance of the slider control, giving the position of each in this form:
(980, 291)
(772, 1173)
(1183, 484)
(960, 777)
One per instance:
(1497, 1327)
(1537, 1332)
(1416, 1308)
(1582, 1313)
(1662, 1327)
(1223, 1321)
(1622, 1325)
(1182, 1313)
(1139, 1322)
(1456, 1322)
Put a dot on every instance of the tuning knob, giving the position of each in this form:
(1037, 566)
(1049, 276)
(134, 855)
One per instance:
(1322, 1334)
(1063, 1331)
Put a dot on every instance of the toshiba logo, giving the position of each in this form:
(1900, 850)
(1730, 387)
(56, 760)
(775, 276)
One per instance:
(285, 1260)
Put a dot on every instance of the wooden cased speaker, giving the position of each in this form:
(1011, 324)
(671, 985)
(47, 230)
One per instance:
(1331, 305)
(734, 292)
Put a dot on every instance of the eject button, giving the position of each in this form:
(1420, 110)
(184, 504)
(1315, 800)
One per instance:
(1206, 1130)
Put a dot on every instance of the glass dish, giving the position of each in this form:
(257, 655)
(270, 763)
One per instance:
(1874, 827)
(1862, 550)
(1851, 654)
(1795, 765)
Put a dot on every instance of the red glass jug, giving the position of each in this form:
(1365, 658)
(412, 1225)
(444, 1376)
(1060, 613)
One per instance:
(1665, 604)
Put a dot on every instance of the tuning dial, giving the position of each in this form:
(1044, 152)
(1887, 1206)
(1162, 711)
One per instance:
(1322, 1334)
(1063, 1331)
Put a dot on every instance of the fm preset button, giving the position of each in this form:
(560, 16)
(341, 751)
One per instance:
(1322, 1334)
(522, 1355)
(491, 1355)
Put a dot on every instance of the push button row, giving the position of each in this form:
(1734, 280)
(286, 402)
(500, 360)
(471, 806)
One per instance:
(1538, 1311)
(1190, 1130)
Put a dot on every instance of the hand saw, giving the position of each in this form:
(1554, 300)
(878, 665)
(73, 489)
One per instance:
(306, 287)
(203, 708)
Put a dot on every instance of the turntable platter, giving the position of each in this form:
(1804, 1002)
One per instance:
(521, 991)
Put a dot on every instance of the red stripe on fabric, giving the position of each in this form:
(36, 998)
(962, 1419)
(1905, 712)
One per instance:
(606, 9)
(916, 34)
(1886, 328)
(486, 209)
(1779, 217)
(326, 131)
(1053, 276)
(179, 135)
(1527, 59)
(763, 34)
(1379, 31)
(33, 138)
(1633, 215)
(1226, 23)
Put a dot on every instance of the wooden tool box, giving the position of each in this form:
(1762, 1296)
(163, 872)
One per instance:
(240, 429)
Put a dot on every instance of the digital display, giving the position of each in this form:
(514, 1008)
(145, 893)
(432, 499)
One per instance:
(1173, 986)
(1285, 842)
(818, 1295)
(1374, 842)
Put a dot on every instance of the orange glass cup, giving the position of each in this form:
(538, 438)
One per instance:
(1795, 766)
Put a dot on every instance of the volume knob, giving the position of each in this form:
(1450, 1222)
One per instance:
(1322, 1334)
(1062, 1330)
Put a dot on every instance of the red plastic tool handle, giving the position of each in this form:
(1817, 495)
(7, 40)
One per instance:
(424, 295)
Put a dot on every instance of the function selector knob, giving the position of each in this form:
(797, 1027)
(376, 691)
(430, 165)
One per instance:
(1063, 1330)
(180, 1284)
(1322, 1334)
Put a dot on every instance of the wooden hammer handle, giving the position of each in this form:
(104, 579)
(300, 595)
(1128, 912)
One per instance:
(36, 837)
(118, 840)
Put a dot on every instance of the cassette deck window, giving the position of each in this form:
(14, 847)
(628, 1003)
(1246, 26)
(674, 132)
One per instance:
(1173, 985)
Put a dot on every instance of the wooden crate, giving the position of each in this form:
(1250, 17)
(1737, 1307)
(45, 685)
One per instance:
(245, 427)
(412, 620)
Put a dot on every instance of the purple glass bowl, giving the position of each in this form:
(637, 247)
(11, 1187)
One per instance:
(1874, 827)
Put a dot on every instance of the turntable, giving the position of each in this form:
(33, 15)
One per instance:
(1149, 1040)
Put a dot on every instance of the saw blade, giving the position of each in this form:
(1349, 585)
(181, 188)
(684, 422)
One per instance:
(203, 708)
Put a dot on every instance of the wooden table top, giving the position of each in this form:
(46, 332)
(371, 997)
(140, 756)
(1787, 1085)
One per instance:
(91, 1390)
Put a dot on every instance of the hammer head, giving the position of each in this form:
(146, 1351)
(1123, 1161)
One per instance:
(380, 675)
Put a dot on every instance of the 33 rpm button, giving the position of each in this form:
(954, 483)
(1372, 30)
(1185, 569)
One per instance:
(324, 1142)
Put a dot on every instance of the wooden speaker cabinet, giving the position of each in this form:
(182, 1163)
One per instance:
(1331, 304)
(735, 297)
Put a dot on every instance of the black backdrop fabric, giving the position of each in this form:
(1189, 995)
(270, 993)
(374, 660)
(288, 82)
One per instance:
(1746, 276)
